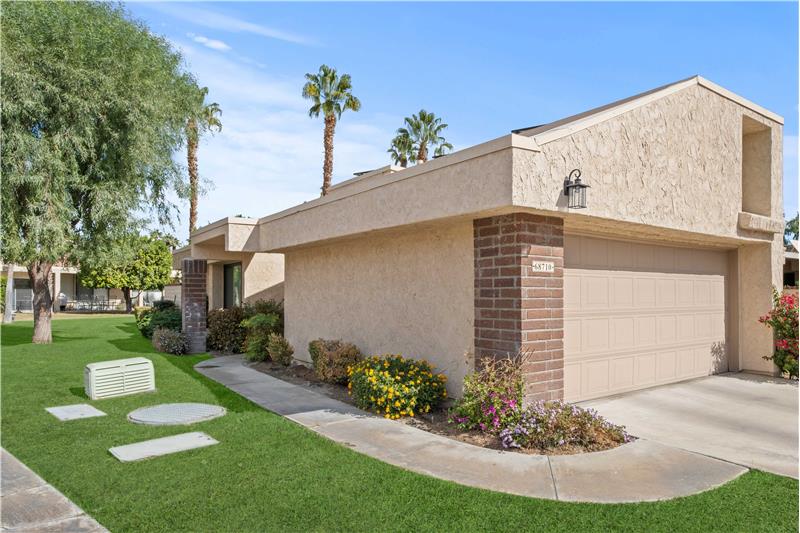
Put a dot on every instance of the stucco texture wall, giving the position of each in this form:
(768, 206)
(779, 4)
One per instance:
(456, 190)
(262, 277)
(674, 163)
(409, 293)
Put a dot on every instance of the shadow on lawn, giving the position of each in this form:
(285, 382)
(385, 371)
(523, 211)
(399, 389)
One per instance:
(18, 334)
(133, 342)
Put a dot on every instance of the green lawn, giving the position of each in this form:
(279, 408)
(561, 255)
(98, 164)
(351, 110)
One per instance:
(270, 475)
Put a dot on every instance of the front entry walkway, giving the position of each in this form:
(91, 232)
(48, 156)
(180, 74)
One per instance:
(643, 470)
(743, 418)
(30, 504)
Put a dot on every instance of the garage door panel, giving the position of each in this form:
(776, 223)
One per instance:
(594, 292)
(638, 315)
(621, 293)
(666, 363)
(623, 332)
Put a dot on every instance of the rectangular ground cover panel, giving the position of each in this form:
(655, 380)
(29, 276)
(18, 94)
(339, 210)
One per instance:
(74, 412)
(162, 446)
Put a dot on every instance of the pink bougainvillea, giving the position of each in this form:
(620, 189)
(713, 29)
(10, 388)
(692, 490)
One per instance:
(783, 321)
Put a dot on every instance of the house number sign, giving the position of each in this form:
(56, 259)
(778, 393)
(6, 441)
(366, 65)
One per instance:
(543, 266)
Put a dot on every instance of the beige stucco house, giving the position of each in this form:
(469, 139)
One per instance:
(660, 278)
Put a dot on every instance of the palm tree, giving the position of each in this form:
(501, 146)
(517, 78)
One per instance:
(206, 119)
(330, 95)
(402, 150)
(426, 130)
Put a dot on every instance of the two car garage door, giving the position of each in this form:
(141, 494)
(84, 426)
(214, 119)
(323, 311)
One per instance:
(639, 315)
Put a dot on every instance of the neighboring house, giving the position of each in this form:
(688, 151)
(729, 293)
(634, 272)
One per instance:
(236, 271)
(68, 293)
(790, 266)
(660, 278)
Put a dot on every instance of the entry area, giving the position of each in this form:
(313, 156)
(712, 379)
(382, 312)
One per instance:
(637, 315)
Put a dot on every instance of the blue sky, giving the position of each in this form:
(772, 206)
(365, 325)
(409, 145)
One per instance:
(485, 68)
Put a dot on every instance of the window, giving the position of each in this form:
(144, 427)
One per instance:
(756, 167)
(232, 296)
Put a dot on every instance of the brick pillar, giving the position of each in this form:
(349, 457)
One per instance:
(193, 303)
(517, 307)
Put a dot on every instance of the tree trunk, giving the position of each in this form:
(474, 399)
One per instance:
(8, 315)
(191, 156)
(422, 155)
(403, 162)
(39, 274)
(327, 167)
(126, 293)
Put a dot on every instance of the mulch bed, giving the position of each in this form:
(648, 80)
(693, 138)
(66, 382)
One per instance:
(433, 422)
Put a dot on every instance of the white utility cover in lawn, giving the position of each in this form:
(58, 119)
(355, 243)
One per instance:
(162, 446)
(74, 412)
(168, 414)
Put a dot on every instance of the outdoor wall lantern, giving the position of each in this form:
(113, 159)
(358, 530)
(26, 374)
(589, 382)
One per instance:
(575, 190)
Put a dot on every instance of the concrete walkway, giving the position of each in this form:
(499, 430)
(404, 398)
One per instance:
(640, 471)
(30, 504)
(742, 418)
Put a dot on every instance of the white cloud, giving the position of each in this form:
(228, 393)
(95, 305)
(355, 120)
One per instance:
(219, 21)
(214, 44)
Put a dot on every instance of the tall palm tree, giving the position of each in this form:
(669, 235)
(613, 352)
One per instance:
(425, 129)
(331, 95)
(402, 150)
(207, 119)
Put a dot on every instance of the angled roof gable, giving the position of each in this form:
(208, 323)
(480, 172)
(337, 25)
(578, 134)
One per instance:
(545, 133)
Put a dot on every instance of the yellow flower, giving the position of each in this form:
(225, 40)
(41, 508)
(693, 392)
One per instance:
(386, 416)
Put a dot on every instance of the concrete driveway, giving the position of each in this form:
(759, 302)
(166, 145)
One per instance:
(742, 418)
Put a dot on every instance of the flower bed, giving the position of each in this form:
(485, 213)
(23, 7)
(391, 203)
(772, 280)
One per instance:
(490, 414)
(394, 387)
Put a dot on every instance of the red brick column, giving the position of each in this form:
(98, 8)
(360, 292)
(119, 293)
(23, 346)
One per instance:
(517, 307)
(193, 303)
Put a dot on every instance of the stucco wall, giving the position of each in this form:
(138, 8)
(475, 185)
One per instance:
(215, 282)
(409, 293)
(674, 163)
(463, 188)
(262, 277)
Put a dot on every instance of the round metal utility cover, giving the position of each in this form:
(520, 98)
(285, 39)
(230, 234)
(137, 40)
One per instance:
(169, 414)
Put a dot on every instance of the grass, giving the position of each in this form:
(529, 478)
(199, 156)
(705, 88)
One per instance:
(269, 474)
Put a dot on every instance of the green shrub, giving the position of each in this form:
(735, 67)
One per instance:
(143, 315)
(331, 359)
(395, 387)
(225, 330)
(267, 307)
(150, 318)
(259, 327)
(492, 397)
(163, 305)
(170, 341)
(279, 349)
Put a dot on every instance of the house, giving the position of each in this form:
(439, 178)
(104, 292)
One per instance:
(68, 293)
(656, 273)
(790, 266)
(236, 271)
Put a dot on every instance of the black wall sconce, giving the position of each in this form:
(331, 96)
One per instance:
(575, 190)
